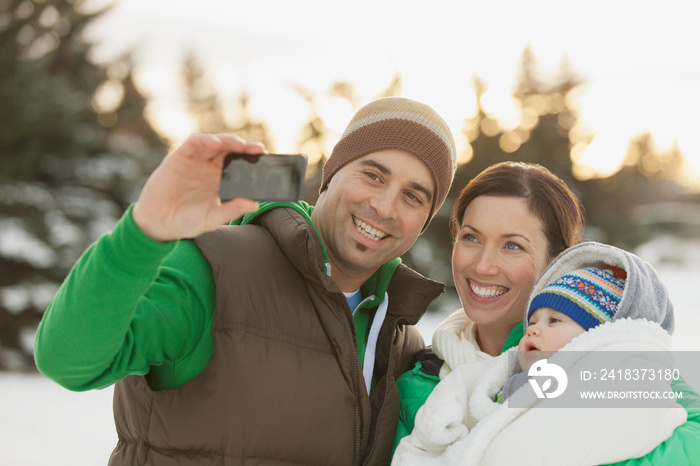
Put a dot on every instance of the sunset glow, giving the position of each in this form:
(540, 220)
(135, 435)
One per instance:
(636, 74)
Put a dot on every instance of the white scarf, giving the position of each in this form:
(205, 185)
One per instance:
(454, 341)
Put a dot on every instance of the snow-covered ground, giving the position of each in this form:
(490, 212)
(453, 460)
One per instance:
(44, 424)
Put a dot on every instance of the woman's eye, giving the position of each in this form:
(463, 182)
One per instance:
(513, 246)
(469, 237)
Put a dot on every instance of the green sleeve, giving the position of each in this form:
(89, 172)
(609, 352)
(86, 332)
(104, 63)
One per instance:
(130, 305)
(683, 447)
(414, 388)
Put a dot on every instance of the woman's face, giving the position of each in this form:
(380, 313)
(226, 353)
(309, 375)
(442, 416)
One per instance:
(498, 256)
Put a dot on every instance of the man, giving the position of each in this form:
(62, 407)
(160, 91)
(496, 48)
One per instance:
(274, 340)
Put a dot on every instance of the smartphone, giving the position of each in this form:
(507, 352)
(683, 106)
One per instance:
(268, 177)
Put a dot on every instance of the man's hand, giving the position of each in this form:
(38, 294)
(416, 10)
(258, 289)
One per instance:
(181, 197)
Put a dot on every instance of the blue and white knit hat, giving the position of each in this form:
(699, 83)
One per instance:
(589, 296)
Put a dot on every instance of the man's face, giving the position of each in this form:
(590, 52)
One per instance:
(372, 212)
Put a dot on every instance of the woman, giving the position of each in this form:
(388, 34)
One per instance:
(508, 224)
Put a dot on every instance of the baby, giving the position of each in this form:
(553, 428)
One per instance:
(575, 303)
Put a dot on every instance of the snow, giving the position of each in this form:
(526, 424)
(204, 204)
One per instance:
(42, 423)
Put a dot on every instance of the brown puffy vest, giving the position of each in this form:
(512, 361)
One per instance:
(284, 385)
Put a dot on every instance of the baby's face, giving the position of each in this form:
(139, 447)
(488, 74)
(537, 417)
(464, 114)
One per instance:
(547, 331)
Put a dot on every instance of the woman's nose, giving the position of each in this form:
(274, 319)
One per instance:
(485, 263)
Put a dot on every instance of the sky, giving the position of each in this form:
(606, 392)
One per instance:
(638, 60)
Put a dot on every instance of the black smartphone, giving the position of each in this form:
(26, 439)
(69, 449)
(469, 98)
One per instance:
(268, 177)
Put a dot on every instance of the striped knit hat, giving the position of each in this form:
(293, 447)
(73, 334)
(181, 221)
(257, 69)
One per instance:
(589, 296)
(399, 123)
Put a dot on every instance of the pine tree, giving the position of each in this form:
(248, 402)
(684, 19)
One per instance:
(312, 140)
(250, 127)
(74, 148)
(202, 98)
(647, 176)
(544, 136)
(206, 107)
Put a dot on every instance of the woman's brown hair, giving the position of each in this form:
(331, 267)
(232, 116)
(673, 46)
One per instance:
(547, 197)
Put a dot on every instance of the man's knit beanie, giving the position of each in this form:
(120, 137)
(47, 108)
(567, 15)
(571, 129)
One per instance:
(589, 296)
(399, 123)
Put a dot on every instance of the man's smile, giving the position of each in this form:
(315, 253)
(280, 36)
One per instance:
(367, 230)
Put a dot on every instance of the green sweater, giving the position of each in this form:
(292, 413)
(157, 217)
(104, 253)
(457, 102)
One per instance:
(131, 305)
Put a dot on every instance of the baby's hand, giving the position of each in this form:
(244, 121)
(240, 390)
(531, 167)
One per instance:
(439, 425)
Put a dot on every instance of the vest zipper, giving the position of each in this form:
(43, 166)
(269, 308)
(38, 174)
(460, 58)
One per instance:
(355, 377)
(386, 390)
(356, 386)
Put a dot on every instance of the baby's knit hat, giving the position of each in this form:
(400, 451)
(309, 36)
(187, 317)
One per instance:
(590, 296)
(399, 123)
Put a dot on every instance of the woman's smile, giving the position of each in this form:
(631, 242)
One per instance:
(485, 291)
